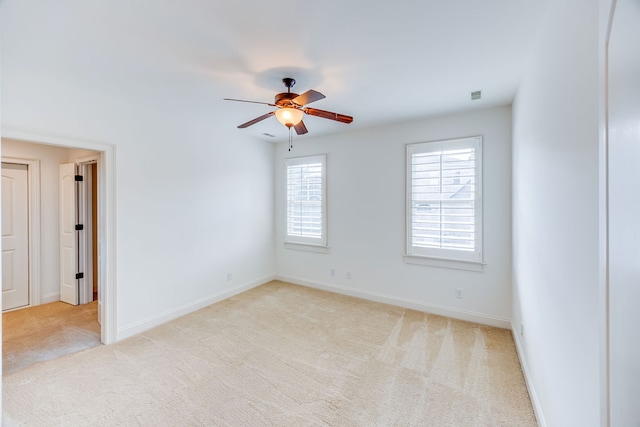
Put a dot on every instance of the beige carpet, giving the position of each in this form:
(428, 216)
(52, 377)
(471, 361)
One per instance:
(283, 355)
(46, 332)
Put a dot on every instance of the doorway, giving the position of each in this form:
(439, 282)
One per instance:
(71, 215)
(39, 329)
(102, 209)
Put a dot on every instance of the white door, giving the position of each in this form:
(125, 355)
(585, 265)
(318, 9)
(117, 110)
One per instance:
(15, 236)
(69, 285)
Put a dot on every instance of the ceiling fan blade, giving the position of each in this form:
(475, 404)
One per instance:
(252, 102)
(300, 128)
(256, 120)
(328, 115)
(308, 97)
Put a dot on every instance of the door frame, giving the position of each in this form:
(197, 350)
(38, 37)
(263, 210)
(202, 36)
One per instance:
(106, 220)
(33, 221)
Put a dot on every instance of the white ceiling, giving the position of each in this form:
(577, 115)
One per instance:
(382, 62)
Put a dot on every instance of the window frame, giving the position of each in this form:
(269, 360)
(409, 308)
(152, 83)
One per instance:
(416, 254)
(293, 241)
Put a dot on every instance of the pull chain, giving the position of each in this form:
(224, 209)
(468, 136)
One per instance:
(290, 140)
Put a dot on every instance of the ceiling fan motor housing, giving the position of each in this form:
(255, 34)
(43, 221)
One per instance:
(284, 99)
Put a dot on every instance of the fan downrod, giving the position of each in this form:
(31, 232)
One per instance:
(288, 82)
(283, 99)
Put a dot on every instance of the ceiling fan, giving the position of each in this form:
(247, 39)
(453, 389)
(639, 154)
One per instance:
(291, 107)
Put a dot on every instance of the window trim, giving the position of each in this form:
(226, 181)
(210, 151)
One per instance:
(445, 255)
(298, 242)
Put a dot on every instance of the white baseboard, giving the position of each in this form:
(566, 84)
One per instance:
(174, 313)
(537, 408)
(46, 299)
(455, 313)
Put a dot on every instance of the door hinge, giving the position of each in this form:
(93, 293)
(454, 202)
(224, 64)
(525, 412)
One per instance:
(79, 275)
(79, 227)
(78, 177)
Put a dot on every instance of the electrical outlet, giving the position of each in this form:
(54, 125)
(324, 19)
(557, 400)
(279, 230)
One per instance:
(332, 272)
(229, 277)
(459, 292)
(349, 275)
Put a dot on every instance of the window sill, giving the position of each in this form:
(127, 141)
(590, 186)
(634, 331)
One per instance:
(444, 263)
(306, 248)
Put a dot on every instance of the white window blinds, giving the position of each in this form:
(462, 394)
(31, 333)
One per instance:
(444, 210)
(306, 200)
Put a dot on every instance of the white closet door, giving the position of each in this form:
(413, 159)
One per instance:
(68, 235)
(15, 236)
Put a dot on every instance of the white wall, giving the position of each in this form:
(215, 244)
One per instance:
(624, 212)
(194, 199)
(50, 158)
(366, 230)
(555, 218)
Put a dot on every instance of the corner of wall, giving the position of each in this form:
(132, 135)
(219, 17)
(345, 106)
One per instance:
(535, 402)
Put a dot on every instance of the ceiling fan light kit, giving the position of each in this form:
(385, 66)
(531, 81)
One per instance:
(289, 116)
(291, 109)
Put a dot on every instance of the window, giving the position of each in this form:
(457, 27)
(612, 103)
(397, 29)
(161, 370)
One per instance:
(306, 200)
(444, 199)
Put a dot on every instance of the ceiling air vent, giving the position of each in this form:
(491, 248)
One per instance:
(476, 95)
